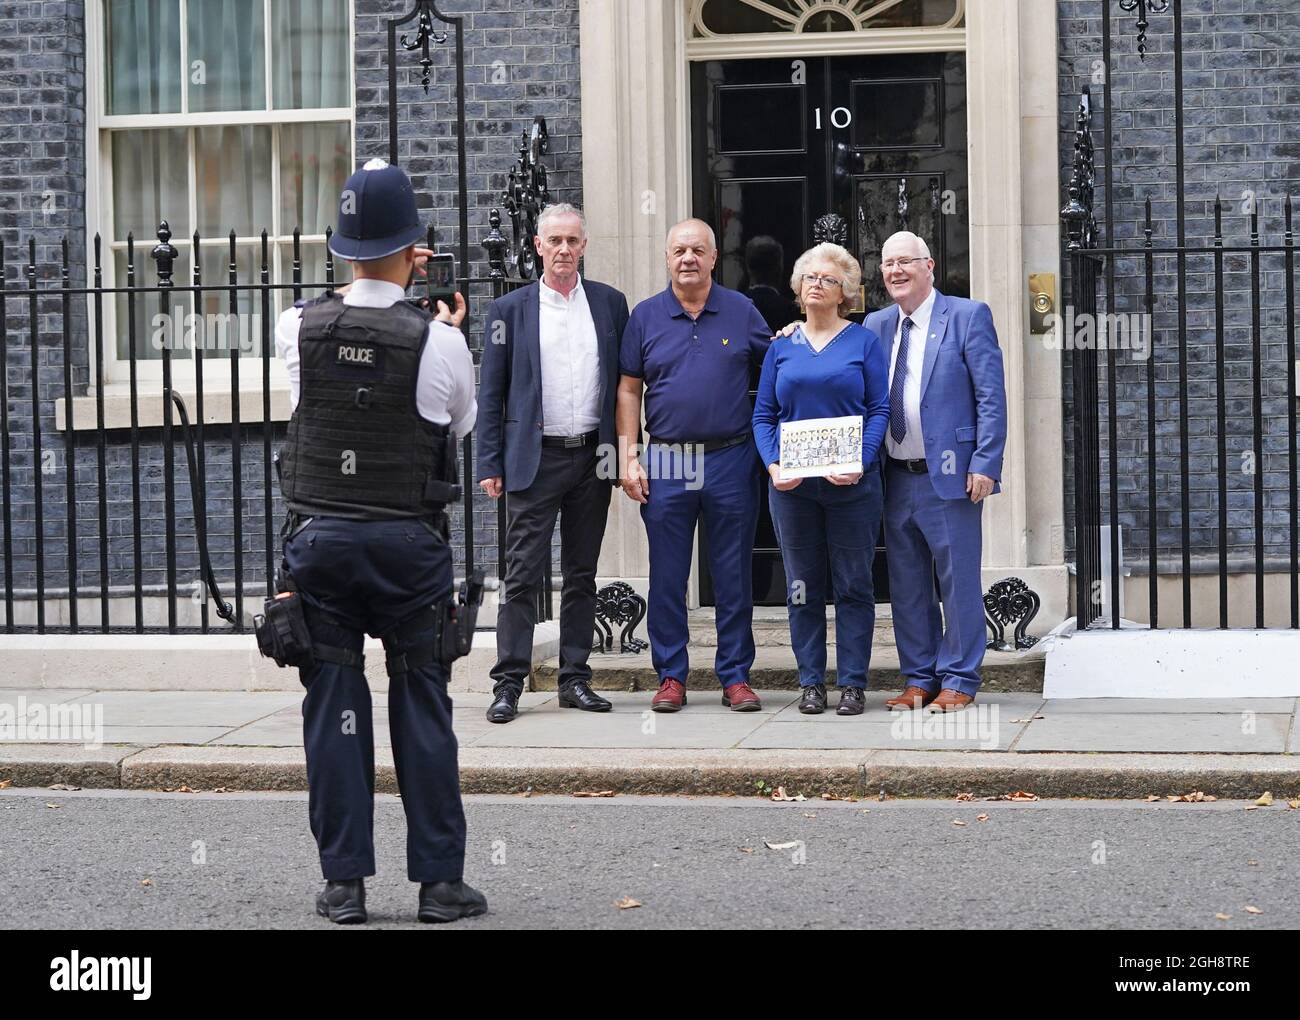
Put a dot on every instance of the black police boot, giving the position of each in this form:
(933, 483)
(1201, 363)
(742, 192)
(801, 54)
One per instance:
(343, 902)
(579, 695)
(505, 706)
(441, 902)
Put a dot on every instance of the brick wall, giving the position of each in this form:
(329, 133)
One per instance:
(1241, 143)
(521, 60)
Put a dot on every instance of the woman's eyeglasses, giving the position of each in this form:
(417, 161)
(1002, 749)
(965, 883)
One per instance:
(828, 281)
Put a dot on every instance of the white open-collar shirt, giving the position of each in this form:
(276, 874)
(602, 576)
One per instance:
(570, 362)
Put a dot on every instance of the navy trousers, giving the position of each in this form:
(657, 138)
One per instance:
(827, 535)
(360, 578)
(721, 490)
(926, 535)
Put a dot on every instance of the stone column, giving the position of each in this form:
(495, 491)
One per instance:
(635, 182)
(1011, 96)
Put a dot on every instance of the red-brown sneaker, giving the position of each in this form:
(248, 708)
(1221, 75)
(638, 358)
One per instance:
(670, 698)
(741, 698)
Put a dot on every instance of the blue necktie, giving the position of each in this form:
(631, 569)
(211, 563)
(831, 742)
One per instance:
(898, 416)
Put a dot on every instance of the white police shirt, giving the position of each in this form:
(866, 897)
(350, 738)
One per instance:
(444, 390)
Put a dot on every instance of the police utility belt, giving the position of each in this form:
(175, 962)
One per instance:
(283, 634)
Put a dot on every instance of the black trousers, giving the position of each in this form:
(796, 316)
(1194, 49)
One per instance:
(368, 577)
(566, 485)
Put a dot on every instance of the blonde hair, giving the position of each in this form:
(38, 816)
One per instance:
(849, 269)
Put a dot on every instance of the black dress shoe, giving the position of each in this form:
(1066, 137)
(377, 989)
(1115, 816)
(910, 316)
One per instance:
(852, 701)
(504, 707)
(813, 701)
(579, 695)
(343, 902)
(441, 902)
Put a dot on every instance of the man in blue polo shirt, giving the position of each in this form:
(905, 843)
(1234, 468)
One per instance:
(690, 348)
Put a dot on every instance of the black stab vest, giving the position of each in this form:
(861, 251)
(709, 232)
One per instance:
(357, 446)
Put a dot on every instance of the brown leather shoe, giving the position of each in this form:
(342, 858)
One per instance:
(741, 698)
(670, 698)
(950, 701)
(912, 697)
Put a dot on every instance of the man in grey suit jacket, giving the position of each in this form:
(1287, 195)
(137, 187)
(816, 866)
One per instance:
(548, 382)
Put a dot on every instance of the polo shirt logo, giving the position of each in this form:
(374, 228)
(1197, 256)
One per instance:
(725, 341)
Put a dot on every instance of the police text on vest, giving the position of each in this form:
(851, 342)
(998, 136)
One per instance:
(350, 354)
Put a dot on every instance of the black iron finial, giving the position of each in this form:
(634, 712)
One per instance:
(1143, 7)
(1080, 224)
(164, 253)
(496, 245)
(526, 194)
(424, 13)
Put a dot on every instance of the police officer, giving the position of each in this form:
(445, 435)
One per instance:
(381, 391)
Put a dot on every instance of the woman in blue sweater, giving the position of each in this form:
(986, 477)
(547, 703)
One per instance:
(827, 368)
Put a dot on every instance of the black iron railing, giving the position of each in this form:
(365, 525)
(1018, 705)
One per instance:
(1248, 444)
(111, 473)
(103, 543)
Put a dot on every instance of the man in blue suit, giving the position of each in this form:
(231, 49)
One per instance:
(943, 457)
(547, 388)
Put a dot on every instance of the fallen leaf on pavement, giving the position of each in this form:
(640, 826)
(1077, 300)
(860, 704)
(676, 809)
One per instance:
(49, 805)
(1293, 804)
(981, 818)
(781, 795)
(966, 796)
(1195, 797)
(1252, 807)
(4, 783)
(1151, 797)
(781, 846)
(1020, 795)
(146, 881)
(1252, 862)
(1223, 917)
(833, 796)
(746, 849)
(809, 814)
(1252, 910)
(597, 793)
(627, 903)
(955, 822)
(1265, 800)
(63, 786)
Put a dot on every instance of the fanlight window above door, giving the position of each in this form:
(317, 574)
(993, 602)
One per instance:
(710, 18)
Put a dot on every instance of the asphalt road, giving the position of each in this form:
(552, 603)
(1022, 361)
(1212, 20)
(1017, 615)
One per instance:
(113, 859)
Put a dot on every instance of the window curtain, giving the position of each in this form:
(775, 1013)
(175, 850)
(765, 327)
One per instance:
(310, 59)
(314, 164)
(227, 36)
(144, 56)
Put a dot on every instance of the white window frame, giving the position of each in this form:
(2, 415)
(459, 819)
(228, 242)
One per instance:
(99, 192)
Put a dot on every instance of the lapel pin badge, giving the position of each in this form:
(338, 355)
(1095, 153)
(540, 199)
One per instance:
(725, 341)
